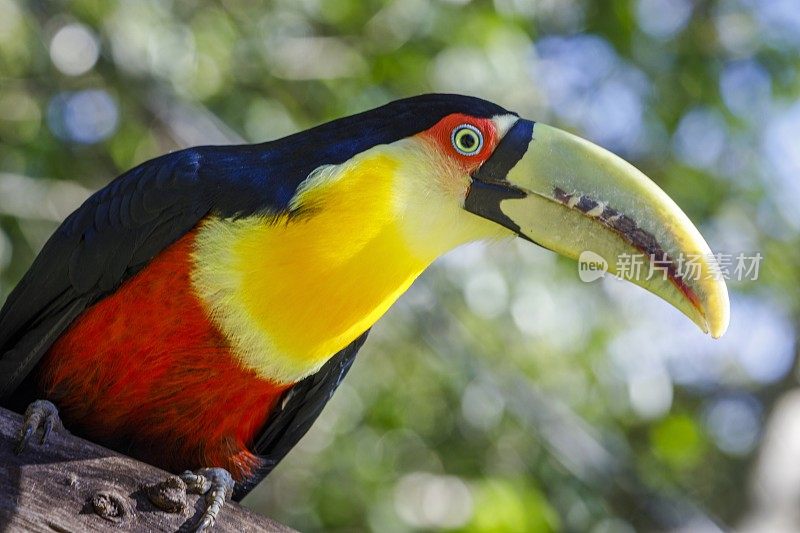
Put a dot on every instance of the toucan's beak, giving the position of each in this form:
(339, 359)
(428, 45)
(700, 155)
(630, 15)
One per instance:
(573, 197)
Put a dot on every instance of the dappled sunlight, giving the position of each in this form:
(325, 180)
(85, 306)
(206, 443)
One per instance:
(500, 393)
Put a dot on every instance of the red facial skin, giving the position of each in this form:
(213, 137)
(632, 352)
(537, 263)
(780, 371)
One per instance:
(441, 135)
(145, 368)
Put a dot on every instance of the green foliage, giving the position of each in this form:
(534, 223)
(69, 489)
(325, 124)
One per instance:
(500, 394)
(678, 441)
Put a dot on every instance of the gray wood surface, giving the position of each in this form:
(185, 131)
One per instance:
(66, 485)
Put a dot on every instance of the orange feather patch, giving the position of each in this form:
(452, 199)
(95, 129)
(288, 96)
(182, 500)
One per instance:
(145, 371)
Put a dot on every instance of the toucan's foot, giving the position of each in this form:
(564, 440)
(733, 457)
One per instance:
(217, 484)
(40, 416)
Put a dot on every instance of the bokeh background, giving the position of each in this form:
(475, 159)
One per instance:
(501, 393)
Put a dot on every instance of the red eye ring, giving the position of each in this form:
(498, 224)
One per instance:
(442, 135)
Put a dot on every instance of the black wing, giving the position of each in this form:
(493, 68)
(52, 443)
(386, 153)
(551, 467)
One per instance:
(115, 233)
(296, 412)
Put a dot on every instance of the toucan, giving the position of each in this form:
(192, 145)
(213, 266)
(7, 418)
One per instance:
(199, 311)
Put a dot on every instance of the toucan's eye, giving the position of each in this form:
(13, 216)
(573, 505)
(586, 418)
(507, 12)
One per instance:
(467, 139)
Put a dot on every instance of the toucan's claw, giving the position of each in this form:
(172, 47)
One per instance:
(40, 415)
(217, 484)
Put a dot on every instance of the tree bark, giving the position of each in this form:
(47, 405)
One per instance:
(70, 484)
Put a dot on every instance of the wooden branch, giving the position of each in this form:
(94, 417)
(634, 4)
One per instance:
(70, 484)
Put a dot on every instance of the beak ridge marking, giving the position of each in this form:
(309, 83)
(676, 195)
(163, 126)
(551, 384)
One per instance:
(627, 228)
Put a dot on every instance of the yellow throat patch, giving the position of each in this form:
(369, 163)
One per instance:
(291, 291)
